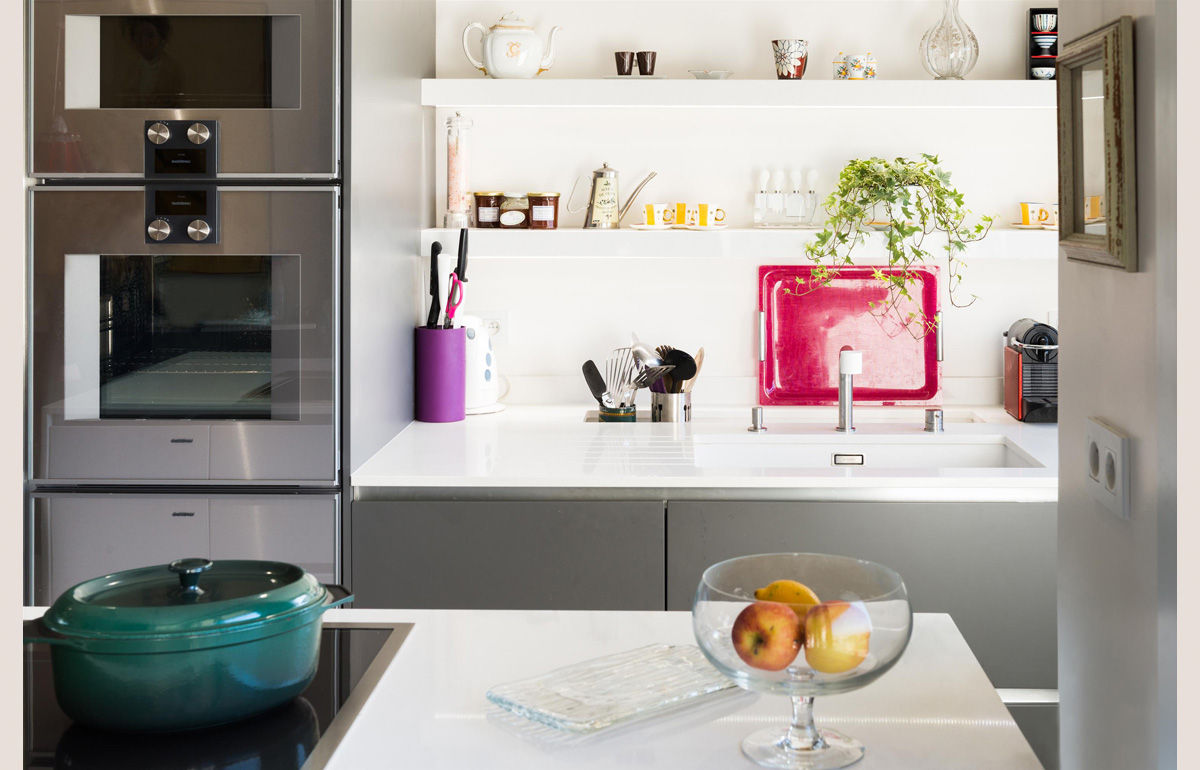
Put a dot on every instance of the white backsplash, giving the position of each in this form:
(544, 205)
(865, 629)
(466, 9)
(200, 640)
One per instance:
(560, 312)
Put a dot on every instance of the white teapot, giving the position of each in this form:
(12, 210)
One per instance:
(511, 48)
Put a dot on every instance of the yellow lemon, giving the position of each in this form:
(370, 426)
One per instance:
(793, 593)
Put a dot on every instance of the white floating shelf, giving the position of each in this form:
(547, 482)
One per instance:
(822, 94)
(760, 245)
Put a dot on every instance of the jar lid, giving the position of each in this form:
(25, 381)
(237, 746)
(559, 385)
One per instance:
(543, 194)
(185, 598)
(488, 193)
(515, 195)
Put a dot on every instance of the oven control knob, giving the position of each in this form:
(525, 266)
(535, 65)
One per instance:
(198, 133)
(159, 230)
(158, 133)
(198, 229)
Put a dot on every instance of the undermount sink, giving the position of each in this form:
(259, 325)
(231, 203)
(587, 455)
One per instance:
(867, 452)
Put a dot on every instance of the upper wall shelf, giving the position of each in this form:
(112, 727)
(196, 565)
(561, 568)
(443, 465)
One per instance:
(824, 94)
(784, 246)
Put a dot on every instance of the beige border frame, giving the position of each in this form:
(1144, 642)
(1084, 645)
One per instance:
(1113, 44)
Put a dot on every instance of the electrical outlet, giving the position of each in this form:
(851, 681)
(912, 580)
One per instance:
(496, 322)
(1108, 466)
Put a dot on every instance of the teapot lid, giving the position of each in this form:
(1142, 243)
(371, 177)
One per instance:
(512, 20)
(605, 170)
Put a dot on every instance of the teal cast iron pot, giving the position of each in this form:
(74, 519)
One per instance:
(191, 644)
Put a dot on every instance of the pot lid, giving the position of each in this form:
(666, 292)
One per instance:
(512, 20)
(183, 598)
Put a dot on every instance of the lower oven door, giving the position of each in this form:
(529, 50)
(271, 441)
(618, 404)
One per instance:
(212, 362)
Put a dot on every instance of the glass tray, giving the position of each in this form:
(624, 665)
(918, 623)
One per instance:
(616, 689)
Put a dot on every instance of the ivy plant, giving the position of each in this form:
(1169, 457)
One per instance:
(912, 204)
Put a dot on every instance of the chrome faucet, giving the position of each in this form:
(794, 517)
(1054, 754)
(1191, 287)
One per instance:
(849, 364)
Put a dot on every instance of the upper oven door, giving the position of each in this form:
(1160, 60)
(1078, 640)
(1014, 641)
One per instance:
(267, 72)
(157, 359)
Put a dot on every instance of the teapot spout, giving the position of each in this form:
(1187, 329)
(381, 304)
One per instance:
(551, 47)
(633, 195)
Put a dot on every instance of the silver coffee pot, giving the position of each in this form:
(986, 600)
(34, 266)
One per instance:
(604, 210)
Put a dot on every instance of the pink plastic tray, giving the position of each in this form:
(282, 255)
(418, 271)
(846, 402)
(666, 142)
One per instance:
(805, 333)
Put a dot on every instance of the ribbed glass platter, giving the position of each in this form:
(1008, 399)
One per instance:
(616, 689)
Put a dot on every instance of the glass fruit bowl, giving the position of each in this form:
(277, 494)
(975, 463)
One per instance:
(801, 625)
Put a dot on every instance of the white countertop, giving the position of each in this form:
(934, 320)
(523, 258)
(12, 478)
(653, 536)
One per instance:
(555, 447)
(935, 709)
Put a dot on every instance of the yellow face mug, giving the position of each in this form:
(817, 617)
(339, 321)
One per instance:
(1039, 213)
(699, 214)
(660, 214)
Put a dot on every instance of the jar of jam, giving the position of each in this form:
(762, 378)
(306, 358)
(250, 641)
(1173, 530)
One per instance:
(514, 211)
(543, 210)
(487, 209)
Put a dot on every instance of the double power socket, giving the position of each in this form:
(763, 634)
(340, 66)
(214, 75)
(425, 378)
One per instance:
(1108, 466)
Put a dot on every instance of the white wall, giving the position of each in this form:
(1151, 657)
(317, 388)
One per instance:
(558, 313)
(387, 189)
(736, 35)
(1117, 578)
(12, 352)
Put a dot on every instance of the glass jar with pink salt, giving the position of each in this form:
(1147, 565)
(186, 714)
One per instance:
(458, 196)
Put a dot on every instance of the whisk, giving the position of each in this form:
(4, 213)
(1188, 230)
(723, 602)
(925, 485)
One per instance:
(620, 376)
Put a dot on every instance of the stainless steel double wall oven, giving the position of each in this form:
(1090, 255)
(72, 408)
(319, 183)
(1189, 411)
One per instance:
(185, 238)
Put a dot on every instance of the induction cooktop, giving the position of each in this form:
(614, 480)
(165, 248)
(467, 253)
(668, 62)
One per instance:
(282, 739)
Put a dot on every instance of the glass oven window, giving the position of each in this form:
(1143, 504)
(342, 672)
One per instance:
(187, 337)
(182, 62)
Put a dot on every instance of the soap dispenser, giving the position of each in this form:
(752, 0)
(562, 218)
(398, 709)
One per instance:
(760, 198)
(793, 205)
(775, 209)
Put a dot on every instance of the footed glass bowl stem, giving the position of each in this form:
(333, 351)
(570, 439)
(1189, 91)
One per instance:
(803, 735)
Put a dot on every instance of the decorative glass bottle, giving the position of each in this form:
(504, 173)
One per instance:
(949, 49)
(458, 197)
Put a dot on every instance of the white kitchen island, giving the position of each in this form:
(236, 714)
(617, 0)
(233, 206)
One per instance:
(935, 709)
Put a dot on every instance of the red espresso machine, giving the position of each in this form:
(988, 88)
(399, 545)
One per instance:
(1031, 371)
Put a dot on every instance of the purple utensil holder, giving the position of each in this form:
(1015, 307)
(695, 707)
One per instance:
(441, 374)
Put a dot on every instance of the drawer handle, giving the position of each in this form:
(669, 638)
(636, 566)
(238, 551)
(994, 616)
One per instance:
(183, 513)
(182, 440)
(839, 459)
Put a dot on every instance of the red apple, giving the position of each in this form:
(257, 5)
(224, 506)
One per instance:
(837, 636)
(767, 635)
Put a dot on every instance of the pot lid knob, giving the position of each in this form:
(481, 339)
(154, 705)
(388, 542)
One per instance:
(189, 573)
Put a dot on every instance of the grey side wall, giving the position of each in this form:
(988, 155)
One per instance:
(1116, 578)
(390, 47)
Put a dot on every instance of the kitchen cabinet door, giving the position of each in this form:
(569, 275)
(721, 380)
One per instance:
(85, 536)
(298, 529)
(992, 566)
(509, 555)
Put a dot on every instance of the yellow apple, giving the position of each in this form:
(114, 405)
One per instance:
(837, 636)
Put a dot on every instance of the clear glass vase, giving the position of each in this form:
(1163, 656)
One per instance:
(949, 49)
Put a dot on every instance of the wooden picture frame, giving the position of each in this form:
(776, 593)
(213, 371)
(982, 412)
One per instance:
(1110, 47)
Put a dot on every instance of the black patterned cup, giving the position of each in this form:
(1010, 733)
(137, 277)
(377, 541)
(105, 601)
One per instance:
(624, 62)
(645, 62)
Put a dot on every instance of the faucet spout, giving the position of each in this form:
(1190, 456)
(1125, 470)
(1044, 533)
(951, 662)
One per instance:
(849, 364)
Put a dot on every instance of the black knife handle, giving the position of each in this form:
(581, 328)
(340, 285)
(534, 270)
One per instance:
(435, 306)
(461, 267)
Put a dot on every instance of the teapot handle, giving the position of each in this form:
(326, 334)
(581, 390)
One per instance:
(571, 197)
(467, 48)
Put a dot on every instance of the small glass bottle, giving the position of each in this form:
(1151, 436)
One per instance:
(458, 196)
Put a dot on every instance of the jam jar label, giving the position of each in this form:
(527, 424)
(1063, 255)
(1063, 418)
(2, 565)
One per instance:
(512, 218)
(543, 214)
(489, 213)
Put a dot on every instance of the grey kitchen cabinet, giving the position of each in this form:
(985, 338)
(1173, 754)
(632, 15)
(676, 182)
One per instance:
(991, 566)
(85, 536)
(298, 529)
(78, 536)
(577, 555)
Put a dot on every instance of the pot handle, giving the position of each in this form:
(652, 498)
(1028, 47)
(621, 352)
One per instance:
(339, 595)
(34, 632)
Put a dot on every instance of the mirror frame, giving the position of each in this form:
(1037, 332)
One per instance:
(1112, 44)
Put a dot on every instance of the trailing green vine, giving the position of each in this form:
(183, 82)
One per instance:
(909, 200)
